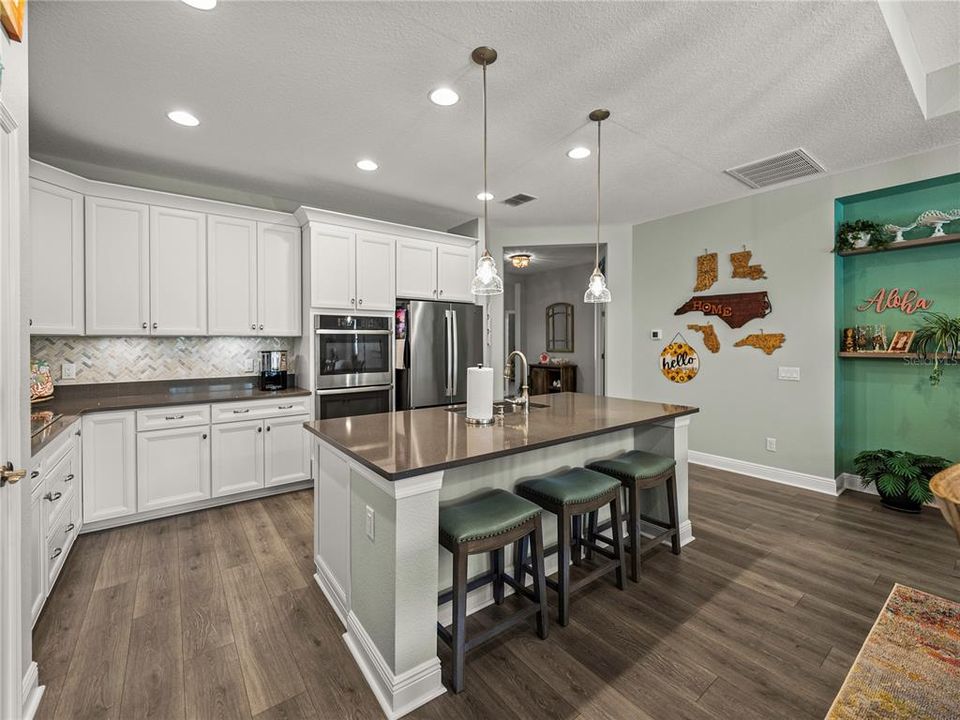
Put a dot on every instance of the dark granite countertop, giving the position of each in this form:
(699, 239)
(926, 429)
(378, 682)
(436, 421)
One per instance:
(72, 401)
(398, 445)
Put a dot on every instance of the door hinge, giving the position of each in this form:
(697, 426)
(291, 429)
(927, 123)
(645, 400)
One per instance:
(9, 475)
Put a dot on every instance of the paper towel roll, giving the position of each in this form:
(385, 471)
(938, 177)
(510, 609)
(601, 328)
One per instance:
(480, 393)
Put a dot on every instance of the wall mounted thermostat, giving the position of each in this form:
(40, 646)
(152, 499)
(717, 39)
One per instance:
(656, 334)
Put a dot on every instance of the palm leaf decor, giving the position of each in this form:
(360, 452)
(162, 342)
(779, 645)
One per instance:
(899, 476)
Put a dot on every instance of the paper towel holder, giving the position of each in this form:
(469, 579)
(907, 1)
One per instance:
(475, 421)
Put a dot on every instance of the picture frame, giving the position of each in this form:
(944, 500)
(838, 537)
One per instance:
(902, 339)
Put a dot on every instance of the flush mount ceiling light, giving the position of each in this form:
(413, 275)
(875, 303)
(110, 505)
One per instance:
(367, 165)
(484, 196)
(487, 280)
(521, 260)
(201, 4)
(578, 153)
(444, 97)
(182, 117)
(597, 291)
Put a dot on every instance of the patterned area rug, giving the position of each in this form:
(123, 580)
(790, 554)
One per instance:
(909, 666)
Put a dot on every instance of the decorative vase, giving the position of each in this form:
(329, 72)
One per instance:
(900, 503)
(862, 239)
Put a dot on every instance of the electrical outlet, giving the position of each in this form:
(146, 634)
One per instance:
(771, 444)
(68, 371)
(789, 373)
(248, 364)
(371, 517)
(656, 334)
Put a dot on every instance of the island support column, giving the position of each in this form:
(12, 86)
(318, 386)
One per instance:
(392, 621)
(672, 442)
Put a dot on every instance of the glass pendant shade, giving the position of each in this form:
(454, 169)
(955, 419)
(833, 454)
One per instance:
(487, 280)
(597, 291)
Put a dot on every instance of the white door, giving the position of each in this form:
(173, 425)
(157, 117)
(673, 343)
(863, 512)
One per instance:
(178, 272)
(455, 269)
(278, 260)
(109, 465)
(173, 467)
(34, 546)
(117, 268)
(286, 455)
(376, 272)
(416, 269)
(56, 260)
(333, 268)
(237, 457)
(231, 276)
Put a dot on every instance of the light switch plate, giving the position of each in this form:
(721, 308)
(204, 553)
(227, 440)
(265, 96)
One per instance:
(68, 371)
(371, 517)
(791, 374)
(248, 365)
(771, 444)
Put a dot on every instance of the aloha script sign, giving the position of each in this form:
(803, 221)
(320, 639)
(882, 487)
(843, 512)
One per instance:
(885, 299)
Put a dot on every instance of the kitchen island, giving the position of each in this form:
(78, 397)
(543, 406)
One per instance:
(380, 481)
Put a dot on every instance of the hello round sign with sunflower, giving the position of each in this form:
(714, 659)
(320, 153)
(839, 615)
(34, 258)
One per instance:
(679, 362)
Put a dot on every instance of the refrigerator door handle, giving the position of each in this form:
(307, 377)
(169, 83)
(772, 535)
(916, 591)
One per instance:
(455, 369)
(448, 355)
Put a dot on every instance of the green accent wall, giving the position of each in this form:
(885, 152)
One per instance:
(890, 403)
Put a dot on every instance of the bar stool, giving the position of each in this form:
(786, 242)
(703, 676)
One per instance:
(486, 523)
(639, 470)
(570, 495)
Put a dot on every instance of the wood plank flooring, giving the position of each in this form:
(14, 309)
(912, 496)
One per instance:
(215, 615)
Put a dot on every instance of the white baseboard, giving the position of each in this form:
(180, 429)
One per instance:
(331, 591)
(397, 694)
(828, 486)
(31, 692)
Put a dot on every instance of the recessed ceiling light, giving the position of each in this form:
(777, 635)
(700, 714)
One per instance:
(484, 196)
(201, 4)
(368, 165)
(444, 97)
(182, 117)
(578, 153)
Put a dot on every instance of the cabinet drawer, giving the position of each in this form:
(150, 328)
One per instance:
(172, 417)
(60, 540)
(59, 485)
(259, 409)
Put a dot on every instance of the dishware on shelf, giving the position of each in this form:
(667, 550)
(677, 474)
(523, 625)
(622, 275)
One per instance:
(936, 219)
(898, 231)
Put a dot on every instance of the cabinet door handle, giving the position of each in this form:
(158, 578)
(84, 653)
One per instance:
(154, 326)
(53, 497)
(34, 474)
(360, 301)
(261, 326)
(204, 436)
(56, 553)
(144, 326)
(241, 412)
(253, 327)
(68, 478)
(173, 417)
(77, 433)
(30, 322)
(284, 407)
(268, 428)
(441, 293)
(352, 301)
(69, 528)
(259, 429)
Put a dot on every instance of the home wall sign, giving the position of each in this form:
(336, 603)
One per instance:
(768, 342)
(890, 299)
(736, 309)
(710, 339)
(742, 267)
(707, 273)
(679, 362)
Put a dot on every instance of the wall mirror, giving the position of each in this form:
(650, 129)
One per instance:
(560, 328)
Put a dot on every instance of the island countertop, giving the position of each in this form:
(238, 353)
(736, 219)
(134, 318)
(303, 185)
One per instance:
(402, 444)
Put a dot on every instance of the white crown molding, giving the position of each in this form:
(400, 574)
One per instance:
(827, 486)
(308, 215)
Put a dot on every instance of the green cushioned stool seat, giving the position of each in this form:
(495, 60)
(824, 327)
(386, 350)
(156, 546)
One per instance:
(482, 516)
(634, 465)
(570, 487)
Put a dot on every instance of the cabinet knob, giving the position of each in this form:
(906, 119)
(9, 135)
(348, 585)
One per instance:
(144, 326)
(441, 293)
(69, 528)
(30, 322)
(259, 429)
(360, 301)
(204, 436)
(34, 474)
(154, 326)
(68, 478)
(53, 497)
(56, 553)
(253, 327)
(261, 326)
(268, 428)
(353, 301)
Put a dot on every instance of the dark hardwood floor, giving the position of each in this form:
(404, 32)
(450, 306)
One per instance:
(215, 615)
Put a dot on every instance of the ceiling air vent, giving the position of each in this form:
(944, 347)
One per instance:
(518, 199)
(777, 169)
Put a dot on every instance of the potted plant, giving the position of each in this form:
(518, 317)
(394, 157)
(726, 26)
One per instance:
(902, 478)
(938, 334)
(859, 234)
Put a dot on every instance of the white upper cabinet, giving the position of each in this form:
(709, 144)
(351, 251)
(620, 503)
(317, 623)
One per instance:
(376, 272)
(117, 276)
(333, 267)
(56, 260)
(455, 270)
(232, 276)
(278, 271)
(416, 269)
(178, 272)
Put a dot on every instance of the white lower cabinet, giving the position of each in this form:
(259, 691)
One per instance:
(35, 547)
(109, 465)
(286, 451)
(173, 467)
(237, 457)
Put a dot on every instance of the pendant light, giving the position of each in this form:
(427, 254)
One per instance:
(597, 291)
(487, 280)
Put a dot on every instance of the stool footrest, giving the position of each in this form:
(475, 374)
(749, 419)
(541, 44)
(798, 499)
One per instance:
(479, 581)
(494, 630)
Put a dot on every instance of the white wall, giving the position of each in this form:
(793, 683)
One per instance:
(619, 242)
(790, 232)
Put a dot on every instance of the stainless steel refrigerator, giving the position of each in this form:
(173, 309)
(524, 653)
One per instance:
(441, 341)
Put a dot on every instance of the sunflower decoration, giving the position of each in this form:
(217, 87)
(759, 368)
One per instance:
(679, 362)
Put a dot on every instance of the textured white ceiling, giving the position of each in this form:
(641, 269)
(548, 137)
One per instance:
(291, 94)
(935, 27)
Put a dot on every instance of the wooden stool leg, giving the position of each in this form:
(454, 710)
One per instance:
(563, 570)
(633, 530)
(674, 513)
(496, 564)
(519, 559)
(591, 531)
(539, 581)
(577, 549)
(617, 527)
(459, 618)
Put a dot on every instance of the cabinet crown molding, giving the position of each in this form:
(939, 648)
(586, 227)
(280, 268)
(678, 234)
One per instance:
(308, 215)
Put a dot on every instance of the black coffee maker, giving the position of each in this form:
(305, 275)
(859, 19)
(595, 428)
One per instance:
(273, 369)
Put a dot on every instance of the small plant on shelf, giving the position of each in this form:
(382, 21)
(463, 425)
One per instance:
(860, 233)
(938, 334)
(902, 478)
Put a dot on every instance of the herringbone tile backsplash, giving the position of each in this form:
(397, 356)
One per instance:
(130, 359)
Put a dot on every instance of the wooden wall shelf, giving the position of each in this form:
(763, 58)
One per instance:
(906, 245)
(872, 355)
